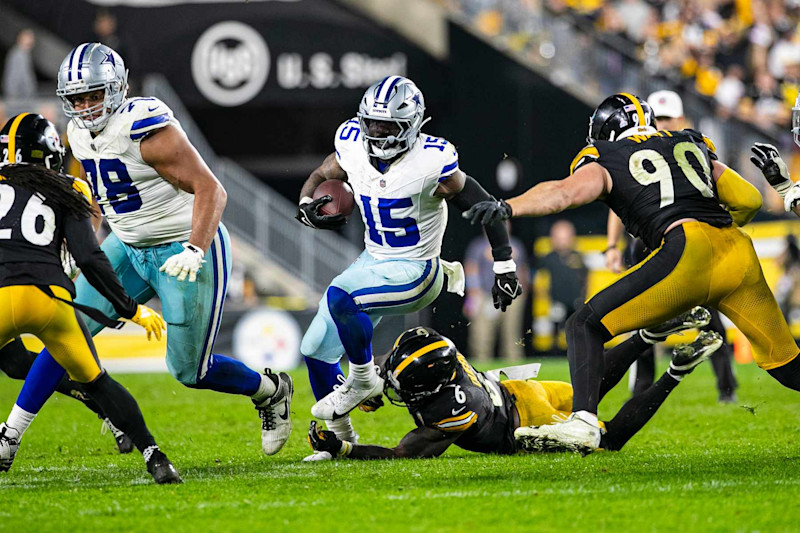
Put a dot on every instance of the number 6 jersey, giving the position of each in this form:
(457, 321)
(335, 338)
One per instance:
(142, 208)
(402, 217)
(658, 179)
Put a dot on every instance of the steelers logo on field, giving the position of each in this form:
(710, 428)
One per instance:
(230, 63)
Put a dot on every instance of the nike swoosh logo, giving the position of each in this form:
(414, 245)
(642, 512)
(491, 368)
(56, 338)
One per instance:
(285, 415)
(151, 109)
(456, 411)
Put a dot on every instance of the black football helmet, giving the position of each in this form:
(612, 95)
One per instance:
(420, 364)
(616, 115)
(31, 138)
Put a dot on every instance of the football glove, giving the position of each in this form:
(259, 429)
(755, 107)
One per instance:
(768, 160)
(308, 214)
(322, 440)
(150, 320)
(371, 405)
(506, 286)
(792, 198)
(488, 212)
(188, 262)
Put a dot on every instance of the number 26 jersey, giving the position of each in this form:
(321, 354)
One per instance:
(142, 208)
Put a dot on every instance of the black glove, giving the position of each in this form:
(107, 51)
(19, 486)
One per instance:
(308, 213)
(371, 405)
(506, 287)
(322, 440)
(768, 160)
(488, 212)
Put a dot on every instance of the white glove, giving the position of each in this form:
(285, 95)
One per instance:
(792, 197)
(188, 262)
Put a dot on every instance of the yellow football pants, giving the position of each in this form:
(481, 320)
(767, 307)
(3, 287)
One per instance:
(538, 402)
(698, 264)
(26, 309)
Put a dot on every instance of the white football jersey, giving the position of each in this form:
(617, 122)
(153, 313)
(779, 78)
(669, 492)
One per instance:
(142, 208)
(402, 217)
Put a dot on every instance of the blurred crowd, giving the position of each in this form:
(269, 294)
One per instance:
(742, 54)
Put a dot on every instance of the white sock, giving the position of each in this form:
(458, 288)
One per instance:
(343, 428)
(363, 373)
(20, 419)
(586, 416)
(266, 389)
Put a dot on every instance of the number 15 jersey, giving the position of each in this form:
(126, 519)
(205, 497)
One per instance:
(658, 179)
(142, 208)
(403, 219)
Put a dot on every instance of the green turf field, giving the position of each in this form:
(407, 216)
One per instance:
(698, 466)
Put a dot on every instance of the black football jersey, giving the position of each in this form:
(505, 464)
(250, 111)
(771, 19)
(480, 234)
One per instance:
(475, 406)
(658, 179)
(31, 235)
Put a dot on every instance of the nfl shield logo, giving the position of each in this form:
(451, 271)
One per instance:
(382, 183)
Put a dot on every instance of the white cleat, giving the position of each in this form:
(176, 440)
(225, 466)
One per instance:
(573, 435)
(276, 416)
(318, 456)
(345, 398)
(9, 444)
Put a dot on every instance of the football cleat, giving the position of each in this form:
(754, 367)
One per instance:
(685, 357)
(318, 456)
(345, 398)
(573, 435)
(696, 317)
(124, 442)
(9, 444)
(727, 397)
(160, 467)
(276, 416)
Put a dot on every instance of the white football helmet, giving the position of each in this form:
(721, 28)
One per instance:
(394, 99)
(90, 67)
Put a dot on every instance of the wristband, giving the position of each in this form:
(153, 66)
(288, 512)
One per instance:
(504, 267)
(305, 200)
(193, 248)
(346, 448)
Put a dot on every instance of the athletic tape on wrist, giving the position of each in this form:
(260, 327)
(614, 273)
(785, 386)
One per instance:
(346, 448)
(504, 267)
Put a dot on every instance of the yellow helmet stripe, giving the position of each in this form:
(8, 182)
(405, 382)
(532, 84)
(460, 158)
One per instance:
(419, 353)
(12, 138)
(639, 110)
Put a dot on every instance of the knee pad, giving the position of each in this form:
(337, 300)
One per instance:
(585, 317)
(789, 374)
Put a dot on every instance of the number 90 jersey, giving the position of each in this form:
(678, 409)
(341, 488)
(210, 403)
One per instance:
(658, 179)
(474, 405)
(142, 208)
(403, 219)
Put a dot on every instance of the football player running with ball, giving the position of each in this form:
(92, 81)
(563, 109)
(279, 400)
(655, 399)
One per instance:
(452, 403)
(43, 211)
(669, 189)
(164, 207)
(403, 180)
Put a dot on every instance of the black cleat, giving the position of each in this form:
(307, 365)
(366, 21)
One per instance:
(727, 397)
(697, 317)
(124, 442)
(685, 357)
(160, 467)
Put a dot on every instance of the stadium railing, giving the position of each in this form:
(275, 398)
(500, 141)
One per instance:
(261, 217)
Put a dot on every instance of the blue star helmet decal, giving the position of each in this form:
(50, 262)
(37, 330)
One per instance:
(110, 59)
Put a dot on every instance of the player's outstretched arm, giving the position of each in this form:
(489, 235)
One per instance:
(420, 443)
(463, 191)
(768, 160)
(308, 209)
(741, 198)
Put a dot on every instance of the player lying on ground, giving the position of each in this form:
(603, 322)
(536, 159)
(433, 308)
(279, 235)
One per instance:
(163, 205)
(452, 403)
(43, 211)
(403, 180)
(669, 189)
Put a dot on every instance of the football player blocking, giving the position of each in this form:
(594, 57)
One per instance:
(669, 189)
(163, 205)
(403, 180)
(36, 295)
(452, 403)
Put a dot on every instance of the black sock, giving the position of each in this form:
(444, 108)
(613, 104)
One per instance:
(16, 360)
(789, 374)
(585, 338)
(121, 408)
(73, 389)
(636, 413)
(645, 371)
(618, 359)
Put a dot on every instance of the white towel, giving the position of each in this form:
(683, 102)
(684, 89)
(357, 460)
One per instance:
(521, 372)
(456, 279)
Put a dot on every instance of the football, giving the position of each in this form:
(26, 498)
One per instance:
(343, 200)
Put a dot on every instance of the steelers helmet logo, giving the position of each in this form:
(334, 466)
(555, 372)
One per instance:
(230, 63)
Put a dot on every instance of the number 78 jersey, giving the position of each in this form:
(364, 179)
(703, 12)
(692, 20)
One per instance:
(142, 208)
(658, 179)
(403, 218)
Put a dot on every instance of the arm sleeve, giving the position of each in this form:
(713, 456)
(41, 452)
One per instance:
(742, 199)
(82, 244)
(497, 234)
